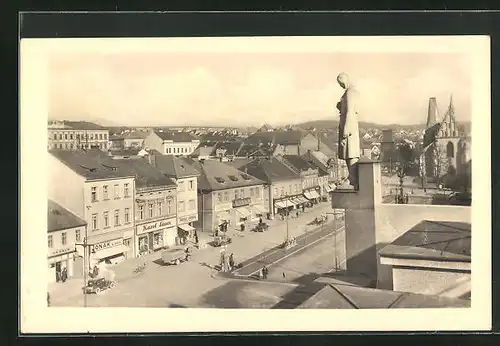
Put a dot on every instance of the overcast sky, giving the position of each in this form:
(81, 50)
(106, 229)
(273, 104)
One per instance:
(227, 89)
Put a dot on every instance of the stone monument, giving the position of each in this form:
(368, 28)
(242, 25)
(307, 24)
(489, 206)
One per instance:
(349, 146)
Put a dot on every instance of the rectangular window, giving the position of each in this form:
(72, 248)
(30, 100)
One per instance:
(160, 208)
(181, 206)
(192, 204)
(50, 242)
(257, 192)
(117, 217)
(105, 136)
(100, 136)
(191, 185)
(70, 136)
(169, 207)
(251, 192)
(141, 211)
(181, 186)
(94, 222)
(150, 210)
(127, 215)
(219, 197)
(93, 193)
(105, 217)
(105, 192)
(117, 191)
(65, 136)
(78, 236)
(276, 192)
(226, 196)
(290, 191)
(125, 190)
(64, 238)
(236, 194)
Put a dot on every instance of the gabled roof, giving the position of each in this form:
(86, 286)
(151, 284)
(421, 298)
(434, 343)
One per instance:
(265, 128)
(174, 167)
(59, 218)
(256, 150)
(215, 175)
(269, 170)
(231, 147)
(176, 136)
(317, 158)
(125, 152)
(91, 164)
(299, 162)
(433, 240)
(145, 174)
(131, 135)
(202, 150)
(277, 137)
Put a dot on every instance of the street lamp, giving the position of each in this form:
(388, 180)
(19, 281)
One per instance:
(336, 267)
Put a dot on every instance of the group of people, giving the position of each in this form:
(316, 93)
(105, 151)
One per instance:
(62, 275)
(263, 273)
(229, 264)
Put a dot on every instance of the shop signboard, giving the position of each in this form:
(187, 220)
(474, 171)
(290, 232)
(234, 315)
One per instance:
(155, 226)
(223, 206)
(188, 218)
(241, 202)
(60, 251)
(106, 245)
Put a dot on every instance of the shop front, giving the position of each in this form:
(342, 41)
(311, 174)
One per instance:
(312, 195)
(242, 211)
(223, 219)
(185, 228)
(155, 235)
(60, 264)
(110, 252)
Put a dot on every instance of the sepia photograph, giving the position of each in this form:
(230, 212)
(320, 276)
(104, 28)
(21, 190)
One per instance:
(230, 177)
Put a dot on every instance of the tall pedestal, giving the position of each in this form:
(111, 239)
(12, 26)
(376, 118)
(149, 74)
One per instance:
(360, 219)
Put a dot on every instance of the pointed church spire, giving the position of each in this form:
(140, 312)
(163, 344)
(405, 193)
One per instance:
(432, 113)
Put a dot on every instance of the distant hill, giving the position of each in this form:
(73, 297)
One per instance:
(332, 124)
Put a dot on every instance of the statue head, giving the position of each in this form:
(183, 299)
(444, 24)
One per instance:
(343, 80)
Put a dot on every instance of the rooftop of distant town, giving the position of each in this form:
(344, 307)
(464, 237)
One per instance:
(292, 137)
(129, 135)
(145, 174)
(59, 218)
(299, 162)
(433, 240)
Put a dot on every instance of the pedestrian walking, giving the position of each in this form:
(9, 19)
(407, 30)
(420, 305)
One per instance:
(48, 299)
(284, 276)
(261, 273)
(260, 221)
(265, 271)
(297, 213)
(231, 261)
(64, 274)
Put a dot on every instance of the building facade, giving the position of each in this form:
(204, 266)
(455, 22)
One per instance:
(72, 135)
(227, 196)
(309, 175)
(172, 143)
(101, 192)
(64, 231)
(283, 189)
(185, 177)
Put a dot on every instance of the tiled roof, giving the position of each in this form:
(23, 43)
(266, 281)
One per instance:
(202, 150)
(231, 148)
(276, 137)
(145, 174)
(433, 240)
(131, 135)
(239, 162)
(173, 166)
(91, 164)
(353, 297)
(215, 175)
(256, 150)
(299, 163)
(59, 218)
(269, 170)
(317, 158)
(176, 136)
(125, 152)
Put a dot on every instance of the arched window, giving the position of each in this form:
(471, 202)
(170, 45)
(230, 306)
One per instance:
(450, 150)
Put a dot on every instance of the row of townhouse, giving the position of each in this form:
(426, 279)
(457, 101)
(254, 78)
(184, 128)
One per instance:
(128, 207)
(73, 135)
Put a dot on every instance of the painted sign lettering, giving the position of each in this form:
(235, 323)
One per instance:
(188, 218)
(240, 202)
(154, 226)
(107, 244)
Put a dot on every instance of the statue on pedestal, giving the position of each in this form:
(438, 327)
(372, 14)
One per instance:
(349, 145)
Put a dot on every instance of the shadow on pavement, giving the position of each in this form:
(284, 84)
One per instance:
(176, 306)
(225, 296)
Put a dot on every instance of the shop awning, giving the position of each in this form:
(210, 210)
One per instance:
(307, 195)
(327, 188)
(186, 227)
(290, 202)
(280, 204)
(111, 251)
(259, 209)
(315, 194)
(302, 200)
(243, 211)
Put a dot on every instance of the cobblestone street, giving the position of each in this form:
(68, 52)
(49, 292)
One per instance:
(184, 285)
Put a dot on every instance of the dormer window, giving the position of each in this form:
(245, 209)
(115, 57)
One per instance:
(246, 176)
(220, 180)
(233, 178)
